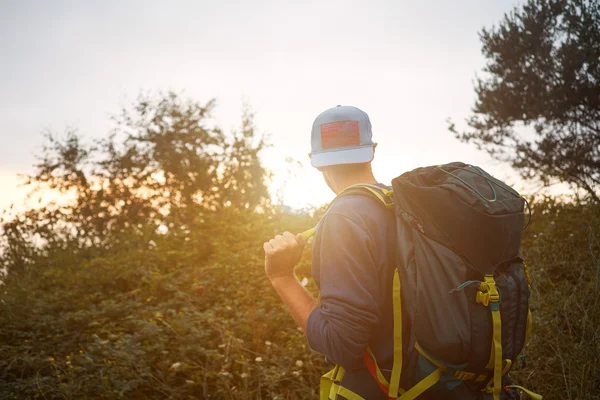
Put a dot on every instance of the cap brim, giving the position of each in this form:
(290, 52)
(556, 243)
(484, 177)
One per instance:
(355, 155)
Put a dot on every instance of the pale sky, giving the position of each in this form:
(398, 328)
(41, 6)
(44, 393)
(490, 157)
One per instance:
(409, 65)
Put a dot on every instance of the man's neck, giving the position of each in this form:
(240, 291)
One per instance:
(354, 180)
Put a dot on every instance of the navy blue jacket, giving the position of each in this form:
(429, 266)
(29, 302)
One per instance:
(353, 265)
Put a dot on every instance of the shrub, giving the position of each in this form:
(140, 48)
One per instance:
(562, 248)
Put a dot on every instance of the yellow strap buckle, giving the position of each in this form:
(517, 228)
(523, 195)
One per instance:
(488, 292)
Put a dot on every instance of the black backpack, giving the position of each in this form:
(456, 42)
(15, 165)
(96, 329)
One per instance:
(460, 283)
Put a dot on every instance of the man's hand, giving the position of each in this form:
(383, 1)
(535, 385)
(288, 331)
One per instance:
(282, 254)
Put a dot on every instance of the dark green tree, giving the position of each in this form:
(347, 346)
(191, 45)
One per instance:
(98, 302)
(164, 164)
(538, 99)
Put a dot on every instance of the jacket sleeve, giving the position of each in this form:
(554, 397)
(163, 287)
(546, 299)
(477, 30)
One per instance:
(350, 309)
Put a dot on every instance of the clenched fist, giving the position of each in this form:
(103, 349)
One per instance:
(282, 254)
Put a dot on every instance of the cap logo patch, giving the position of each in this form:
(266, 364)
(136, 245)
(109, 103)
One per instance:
(340, 134)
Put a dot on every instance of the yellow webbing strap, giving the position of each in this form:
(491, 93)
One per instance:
(497, 353)
(527, 333)
(423, 385)
(527, 273)
(460, 374)
(528, 329)
(346, 393)
(529, 316)
(531, 394)
(488, 296)
(397, 365)
(328, 380)
(330, 386)
(428, 357)
(376, 192)
(426, 382)
(308, 233)
(380, 375)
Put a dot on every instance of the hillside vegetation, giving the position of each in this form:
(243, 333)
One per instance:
(149, 283)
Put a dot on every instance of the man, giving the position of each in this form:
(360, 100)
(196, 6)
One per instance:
(353, 257)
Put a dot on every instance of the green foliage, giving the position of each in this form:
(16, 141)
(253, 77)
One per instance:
(157, 318)
(542, 72)
(562, 248)
(162, 164)
(149, 282)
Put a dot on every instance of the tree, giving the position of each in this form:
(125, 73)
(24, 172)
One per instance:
(164, 164)
(99, 303)
(538, 102)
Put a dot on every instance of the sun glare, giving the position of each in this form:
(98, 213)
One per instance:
(12, 192)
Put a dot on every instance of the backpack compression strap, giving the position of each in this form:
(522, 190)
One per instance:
(489, 296)
(331, 388)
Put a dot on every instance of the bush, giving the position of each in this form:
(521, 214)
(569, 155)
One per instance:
(147, 286)
(157, 319)
(562, 248)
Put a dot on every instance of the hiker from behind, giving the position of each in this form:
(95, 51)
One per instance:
(423, 291)
(353, 257)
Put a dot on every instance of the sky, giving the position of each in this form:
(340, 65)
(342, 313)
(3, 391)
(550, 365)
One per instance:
(409, 64)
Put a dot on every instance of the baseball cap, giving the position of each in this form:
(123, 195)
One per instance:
(341, 135)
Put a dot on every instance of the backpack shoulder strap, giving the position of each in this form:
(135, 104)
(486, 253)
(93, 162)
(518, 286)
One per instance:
(385, 196)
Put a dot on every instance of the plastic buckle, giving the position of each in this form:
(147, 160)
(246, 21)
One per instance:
(483, 298)
(488, 293)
